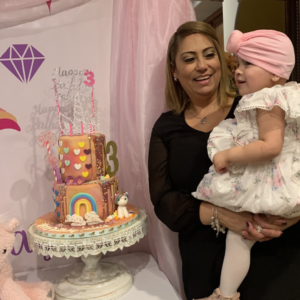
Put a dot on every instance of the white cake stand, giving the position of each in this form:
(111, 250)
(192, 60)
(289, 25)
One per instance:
(94, 279)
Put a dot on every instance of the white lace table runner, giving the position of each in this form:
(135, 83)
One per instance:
(89, 246)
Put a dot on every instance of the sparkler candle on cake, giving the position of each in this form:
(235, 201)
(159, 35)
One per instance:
(46, 140)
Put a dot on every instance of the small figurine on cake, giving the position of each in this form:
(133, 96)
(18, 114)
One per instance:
(122, 200)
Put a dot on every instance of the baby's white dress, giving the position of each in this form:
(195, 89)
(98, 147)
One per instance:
(272, 187)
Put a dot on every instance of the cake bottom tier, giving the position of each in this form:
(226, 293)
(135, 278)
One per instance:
(97, 196)
(49, 226)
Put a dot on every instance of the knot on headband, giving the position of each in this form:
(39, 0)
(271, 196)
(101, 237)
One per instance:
(234, 41)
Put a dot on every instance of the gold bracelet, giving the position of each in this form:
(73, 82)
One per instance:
(215, 224)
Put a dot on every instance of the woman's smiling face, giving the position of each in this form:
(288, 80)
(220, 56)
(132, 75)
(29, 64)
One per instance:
(198, 67)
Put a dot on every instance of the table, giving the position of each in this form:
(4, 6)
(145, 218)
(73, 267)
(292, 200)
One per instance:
(149, 282)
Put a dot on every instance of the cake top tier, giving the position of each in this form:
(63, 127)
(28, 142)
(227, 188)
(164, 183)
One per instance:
(81, 150)
(82, 157)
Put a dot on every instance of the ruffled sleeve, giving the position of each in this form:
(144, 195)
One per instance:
(286, 97)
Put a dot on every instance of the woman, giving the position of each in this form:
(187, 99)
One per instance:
(198, 95)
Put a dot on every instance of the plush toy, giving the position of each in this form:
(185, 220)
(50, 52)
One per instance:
(17, 290)
(122, 200)
(232, 66)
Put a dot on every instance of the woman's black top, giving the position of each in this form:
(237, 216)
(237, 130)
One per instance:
(178, 161)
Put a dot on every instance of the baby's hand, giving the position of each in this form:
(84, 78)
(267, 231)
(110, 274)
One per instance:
(221, 162)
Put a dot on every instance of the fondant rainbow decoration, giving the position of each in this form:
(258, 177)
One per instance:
(79, 199)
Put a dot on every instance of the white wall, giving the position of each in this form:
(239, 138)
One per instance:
(229, 16)
(205, 9)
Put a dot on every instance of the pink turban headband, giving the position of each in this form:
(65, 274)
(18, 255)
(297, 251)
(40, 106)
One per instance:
(271, 50)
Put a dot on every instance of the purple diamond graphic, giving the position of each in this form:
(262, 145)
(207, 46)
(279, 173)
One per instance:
(28, 53)
(8, 64)
(36, 53)
(14, 54)
(27, 67)
(24, 68)
(18, 65)
(6, 54)
(20, 48)
(36, 64)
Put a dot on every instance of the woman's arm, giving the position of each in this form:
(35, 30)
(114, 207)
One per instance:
(271, 126)
(237, 222)
(177, 210)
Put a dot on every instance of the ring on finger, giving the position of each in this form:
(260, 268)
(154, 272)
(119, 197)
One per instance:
(258, 228)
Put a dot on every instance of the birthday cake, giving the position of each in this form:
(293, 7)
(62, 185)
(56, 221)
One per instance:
(85, 192)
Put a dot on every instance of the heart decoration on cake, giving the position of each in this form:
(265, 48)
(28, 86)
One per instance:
(82, 158)
(61, 157)
(56, 192)
(62, 170)
(85, 174)
(87, 151)
(81, 144)
(88, 166)
(77, 166)
(67, 163)
(77, 151)
(66, 150)
(60, 143)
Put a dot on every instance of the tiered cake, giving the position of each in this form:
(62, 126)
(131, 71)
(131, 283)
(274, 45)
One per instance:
(86, 186)
(85, 191)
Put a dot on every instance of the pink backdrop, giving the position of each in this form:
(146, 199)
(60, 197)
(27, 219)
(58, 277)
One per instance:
(15, 12)
(140, 35)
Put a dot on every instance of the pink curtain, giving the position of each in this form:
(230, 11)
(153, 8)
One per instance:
(140, 35)
(16, 12)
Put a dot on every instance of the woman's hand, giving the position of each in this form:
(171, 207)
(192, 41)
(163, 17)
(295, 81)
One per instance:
(271, 226)
(221, 161)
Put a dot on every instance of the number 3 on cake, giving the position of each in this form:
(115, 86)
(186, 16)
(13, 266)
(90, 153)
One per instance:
(113, 158)
(90, 78)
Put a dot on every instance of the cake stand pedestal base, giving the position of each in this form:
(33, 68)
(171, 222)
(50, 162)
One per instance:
(94, 280)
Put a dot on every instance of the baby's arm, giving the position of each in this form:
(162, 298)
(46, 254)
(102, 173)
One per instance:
(271, 126)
